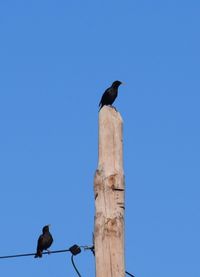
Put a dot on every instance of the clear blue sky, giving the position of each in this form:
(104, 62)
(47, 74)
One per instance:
(56, 60)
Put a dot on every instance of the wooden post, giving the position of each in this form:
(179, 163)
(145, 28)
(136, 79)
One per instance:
(109, 197)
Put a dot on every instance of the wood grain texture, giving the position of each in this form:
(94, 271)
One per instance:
(109, 196)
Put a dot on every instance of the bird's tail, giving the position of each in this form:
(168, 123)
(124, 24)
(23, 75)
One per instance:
(38, 254)
(100, 106)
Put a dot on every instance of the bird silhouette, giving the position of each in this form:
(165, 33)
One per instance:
(110, 94)
(45, 240)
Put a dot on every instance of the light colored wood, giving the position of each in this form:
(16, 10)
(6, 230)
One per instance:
(109, 197)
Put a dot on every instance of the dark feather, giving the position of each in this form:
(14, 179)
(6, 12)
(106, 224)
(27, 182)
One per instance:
(44, 241)
(110, 94)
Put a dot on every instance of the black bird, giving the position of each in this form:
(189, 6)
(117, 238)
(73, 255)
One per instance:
(110, 94)
(44, 241)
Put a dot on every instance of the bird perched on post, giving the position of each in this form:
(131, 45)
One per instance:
(110, 94)
(44, 241)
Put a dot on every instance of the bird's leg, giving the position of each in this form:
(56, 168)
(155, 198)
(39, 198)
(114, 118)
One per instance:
(49, 252)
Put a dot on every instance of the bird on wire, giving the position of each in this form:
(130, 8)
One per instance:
(45, 240)
(110, 94)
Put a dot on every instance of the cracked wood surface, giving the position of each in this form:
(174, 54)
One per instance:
(109, 197)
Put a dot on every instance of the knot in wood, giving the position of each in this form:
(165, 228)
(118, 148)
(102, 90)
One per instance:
(112, 227)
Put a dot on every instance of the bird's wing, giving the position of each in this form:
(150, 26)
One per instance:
(47, 240)
(40, 242)
(103, 96)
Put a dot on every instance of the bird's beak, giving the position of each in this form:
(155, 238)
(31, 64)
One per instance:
(49, 225)
(123, 83)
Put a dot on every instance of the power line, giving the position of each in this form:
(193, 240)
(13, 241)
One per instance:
(129, 274)
(72, 260)
(33, 254)
(71, 249)
(75, 250)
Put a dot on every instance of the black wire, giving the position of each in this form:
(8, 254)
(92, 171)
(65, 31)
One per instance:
(55, 252)
(72, 259)
(44, 253)
(129, 274)
(33, 254)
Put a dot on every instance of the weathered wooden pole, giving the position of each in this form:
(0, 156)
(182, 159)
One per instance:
(109, 197)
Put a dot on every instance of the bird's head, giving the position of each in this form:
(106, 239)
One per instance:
(45, 229)
(116, 84)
